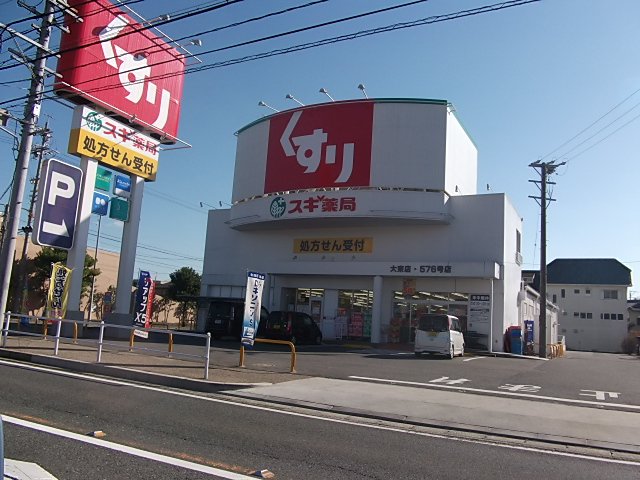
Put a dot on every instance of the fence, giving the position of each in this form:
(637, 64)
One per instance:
(100, 342)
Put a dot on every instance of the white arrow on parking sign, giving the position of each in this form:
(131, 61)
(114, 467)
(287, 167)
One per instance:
(57, 208)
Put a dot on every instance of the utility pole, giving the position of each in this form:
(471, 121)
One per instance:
(20, 299)
(546, 169)
(31, 113)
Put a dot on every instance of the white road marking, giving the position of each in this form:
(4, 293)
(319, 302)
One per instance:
(126, 449)
(472, 358)
(347, 422)
(497, 392)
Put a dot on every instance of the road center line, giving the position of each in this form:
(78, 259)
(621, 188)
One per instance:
(347, 422)
(496, 392)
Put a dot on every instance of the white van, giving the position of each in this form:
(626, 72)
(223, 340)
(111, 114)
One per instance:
(439, 333)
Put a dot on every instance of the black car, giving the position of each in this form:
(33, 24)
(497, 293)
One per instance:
(225, 317)
(296, 327)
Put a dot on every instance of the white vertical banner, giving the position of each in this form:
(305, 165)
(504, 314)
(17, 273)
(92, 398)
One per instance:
(252, 305)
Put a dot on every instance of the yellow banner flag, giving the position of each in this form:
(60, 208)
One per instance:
(58, 289)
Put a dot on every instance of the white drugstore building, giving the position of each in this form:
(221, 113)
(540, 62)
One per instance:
(365, 214)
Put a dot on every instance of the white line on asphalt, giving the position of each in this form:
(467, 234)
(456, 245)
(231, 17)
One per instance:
(496, 392)
(126, 449)
(348, 422)
(472, 358)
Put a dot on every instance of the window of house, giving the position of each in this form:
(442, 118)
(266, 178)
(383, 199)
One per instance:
(583, 315)
(562, 293)
(587, 292)
(611, 294)
(576, 314)
(577, 291)
(589, 315)
(620, 316)
(555, 298)
(606, 316)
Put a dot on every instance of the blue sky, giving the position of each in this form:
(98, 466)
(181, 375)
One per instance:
(524, 81)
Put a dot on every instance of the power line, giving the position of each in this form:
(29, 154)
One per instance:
(591, 125)
(140, 28)
(424, 21)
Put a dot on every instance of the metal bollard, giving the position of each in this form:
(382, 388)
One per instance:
(170, 345)
(5, 329)
(100, 337)
(206, 366)
(55, 349)
(1, 450)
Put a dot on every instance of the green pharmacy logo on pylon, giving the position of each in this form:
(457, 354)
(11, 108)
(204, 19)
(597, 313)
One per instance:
(278, 206)
(93, 121)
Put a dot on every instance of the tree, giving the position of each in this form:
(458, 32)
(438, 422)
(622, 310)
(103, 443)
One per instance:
(42, 262)
(184, 282)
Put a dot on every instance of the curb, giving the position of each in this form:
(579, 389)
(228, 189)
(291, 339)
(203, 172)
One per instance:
(477, 429)
(205, 386)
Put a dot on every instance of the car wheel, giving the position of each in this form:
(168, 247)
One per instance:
(462, 350)
(293, 340)
(319, 340)
(451, 352)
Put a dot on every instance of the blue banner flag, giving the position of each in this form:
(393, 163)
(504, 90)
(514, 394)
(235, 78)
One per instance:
(252, 305)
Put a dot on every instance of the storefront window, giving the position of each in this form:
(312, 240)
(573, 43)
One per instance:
(407, 309)
(354, 313)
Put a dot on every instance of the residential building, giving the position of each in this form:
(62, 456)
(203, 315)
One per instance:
(592, 296)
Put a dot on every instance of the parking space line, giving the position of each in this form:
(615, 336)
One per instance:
(467, 389)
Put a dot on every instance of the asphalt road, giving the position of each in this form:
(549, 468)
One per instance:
(586, 376)
(245, 436)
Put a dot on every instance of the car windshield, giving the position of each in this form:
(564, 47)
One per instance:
(219, 309)
(434, 323)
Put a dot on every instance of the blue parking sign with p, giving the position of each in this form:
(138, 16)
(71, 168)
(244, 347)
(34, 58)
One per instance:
(57, 207)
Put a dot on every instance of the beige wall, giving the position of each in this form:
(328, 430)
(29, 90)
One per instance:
(107, 263)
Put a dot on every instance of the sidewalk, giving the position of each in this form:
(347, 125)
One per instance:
(511, 417)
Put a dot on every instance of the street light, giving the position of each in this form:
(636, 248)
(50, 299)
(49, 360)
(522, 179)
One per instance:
(361, 87)
(322, 90)
(291, 97)
(262, 104)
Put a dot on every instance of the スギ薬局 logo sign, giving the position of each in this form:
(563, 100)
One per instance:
(112, 61)
(324, 146)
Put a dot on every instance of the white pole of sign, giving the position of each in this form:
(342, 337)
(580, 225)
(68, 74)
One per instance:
(122, 314)
(75, 257)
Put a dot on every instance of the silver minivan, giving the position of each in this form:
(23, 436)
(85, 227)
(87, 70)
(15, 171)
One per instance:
(439, 333)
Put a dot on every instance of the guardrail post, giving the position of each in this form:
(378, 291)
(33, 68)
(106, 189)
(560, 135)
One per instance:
(5, 329)
(55, 349)
(1, 450)
(170, 345)
(241, 363)
(293, 358)
(131, 341)
(100, 337)
(206, 366)
(75, 333)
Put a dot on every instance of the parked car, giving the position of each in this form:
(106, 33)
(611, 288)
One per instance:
(439, 333)
(225, 317)
(295, 327)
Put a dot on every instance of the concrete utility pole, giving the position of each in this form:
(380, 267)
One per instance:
(545, 170)
(31, 113)
(20, 299)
